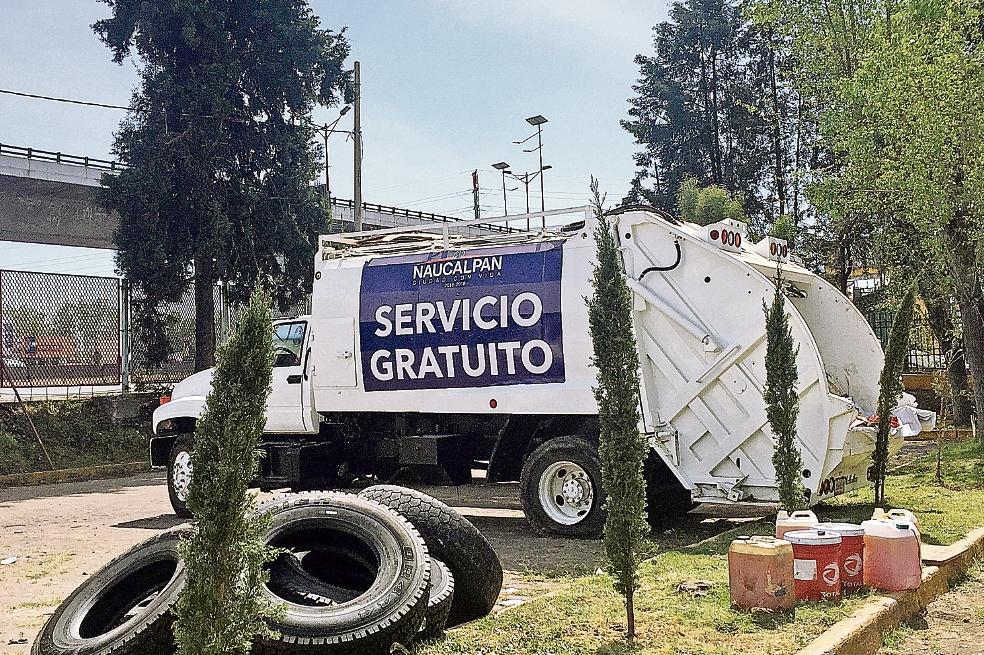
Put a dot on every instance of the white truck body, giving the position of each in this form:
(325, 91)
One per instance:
(404, 320)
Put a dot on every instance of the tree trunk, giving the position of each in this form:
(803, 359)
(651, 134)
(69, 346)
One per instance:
(963, 407)
(629, 617)
(204, 310)
(974, 350)
(716, 124)
(843, 272)
(777, 121)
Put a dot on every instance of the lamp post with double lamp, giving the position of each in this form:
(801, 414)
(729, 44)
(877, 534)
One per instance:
(526, 178)
(537, 121)
(326, 131)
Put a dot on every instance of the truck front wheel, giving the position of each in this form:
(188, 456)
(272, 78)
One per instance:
(179, 469)
(561, 489)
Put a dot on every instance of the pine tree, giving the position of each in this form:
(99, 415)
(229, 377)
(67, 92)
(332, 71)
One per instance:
(622, 447)
(219, 152)
(890, 387)
(782, 401)
(220, 610)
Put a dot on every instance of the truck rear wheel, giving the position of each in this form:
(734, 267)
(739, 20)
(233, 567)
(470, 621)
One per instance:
(560, 487)
(179, 469)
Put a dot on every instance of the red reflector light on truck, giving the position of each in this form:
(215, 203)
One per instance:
(165, 399)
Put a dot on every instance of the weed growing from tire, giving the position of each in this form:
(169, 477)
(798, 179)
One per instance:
(220, 609)
(890, 387)
(781, 400)
(622, 448)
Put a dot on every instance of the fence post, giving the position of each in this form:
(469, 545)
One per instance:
(125, 335)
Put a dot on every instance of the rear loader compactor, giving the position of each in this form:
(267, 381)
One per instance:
(436, 352)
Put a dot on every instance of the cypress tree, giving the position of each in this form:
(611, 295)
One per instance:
(890, 387)
(622, 447)
(782, 401)
(220, 609)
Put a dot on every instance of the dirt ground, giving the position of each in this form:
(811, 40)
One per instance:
(61, 533)
(951, 625)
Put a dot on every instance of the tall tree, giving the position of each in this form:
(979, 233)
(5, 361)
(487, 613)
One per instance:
(710, 105)
(782, 399)
(622, 447)
(219, 150)
(902, 91)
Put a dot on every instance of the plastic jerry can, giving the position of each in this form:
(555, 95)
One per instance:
(760, 574)
(851, 556)
(891, 555)
(903, 515)
(802, 519)
(816, 569)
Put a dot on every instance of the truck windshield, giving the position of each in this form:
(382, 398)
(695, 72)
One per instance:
(288, 339)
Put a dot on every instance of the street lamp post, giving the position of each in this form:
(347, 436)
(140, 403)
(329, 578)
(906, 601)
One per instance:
(537, 121)
(326, 131)
(501, 167)
(526, 178)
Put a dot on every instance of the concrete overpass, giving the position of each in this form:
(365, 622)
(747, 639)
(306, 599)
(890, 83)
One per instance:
(49, 197)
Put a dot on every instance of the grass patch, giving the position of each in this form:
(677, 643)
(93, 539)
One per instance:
(586, 617)
(49, 565)
(36, 604)
(76, 433)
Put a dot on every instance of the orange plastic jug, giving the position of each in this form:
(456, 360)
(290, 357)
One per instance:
(760, 574)
(798, 520)
(891, 555)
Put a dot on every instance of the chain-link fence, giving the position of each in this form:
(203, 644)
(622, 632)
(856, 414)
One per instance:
(72, 330)
(59, 330)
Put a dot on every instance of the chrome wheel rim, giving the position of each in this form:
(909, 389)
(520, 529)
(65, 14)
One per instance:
(566, 492)
(181, 475)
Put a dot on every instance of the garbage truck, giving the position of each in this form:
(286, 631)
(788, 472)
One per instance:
(444, 356)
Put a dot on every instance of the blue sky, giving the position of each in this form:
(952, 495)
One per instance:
(447, 85)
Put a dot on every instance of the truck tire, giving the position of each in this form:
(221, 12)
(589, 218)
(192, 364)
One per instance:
(560, 487)
(456, 542)
(439, 604)
(666, 498)
(179, 469)
(391, 610)
(125, 607)
(290, 581)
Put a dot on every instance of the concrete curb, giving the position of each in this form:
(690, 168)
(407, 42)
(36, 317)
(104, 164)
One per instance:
(73, 475)
(861, 633)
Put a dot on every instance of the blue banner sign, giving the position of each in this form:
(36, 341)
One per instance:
(452, 319)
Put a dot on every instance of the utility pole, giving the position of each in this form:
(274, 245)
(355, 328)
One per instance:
(357, 134)
(539, 148)
(502, 166)
(478, 211)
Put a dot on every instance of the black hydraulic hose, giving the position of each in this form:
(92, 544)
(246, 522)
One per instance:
(664, 268)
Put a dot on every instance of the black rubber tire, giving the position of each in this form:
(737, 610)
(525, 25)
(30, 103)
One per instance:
(391, 610)
(666, 498)
(456, 542)
(177, 487)
(114, 610)
(563, 449)
(439, 604)
(290, 581)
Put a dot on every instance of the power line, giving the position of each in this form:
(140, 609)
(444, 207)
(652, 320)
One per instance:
(73, 102)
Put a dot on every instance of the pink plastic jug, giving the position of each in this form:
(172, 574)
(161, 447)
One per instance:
(891, 555)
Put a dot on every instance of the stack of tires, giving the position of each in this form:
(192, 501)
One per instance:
(358, 574)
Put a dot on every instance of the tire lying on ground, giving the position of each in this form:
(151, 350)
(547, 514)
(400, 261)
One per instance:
(351, 545)
(456, 542)
(439, 604)
(125, 607)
